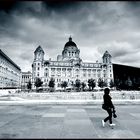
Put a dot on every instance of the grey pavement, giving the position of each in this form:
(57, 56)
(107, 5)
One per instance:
(67, 121)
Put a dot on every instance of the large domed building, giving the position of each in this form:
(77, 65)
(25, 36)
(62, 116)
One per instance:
(69, 66)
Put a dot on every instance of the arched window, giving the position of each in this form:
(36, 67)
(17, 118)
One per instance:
(72, 53)
(46, 72)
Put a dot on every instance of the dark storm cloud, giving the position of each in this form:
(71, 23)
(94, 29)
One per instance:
(96, 26)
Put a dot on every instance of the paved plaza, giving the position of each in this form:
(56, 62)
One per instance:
(67, 121)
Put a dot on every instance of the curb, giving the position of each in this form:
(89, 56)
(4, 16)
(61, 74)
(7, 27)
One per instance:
(88, 102)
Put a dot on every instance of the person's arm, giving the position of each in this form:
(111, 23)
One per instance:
(112, 105)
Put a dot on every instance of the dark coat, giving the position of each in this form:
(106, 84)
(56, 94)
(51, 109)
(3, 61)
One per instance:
(107, 101)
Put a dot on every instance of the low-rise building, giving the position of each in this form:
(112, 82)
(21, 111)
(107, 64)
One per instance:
(10, 73)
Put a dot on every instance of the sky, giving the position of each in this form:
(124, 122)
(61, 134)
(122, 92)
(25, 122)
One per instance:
(94, 26)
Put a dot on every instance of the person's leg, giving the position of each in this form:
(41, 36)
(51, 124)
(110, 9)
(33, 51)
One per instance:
(109, 111)
(110, 116)
(107, 118)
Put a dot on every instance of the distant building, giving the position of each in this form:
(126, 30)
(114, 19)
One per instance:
(126, 77)
(10, 73)
(69, 67)
(26, 77)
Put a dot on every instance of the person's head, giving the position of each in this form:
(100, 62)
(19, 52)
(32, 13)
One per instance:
(107, 91)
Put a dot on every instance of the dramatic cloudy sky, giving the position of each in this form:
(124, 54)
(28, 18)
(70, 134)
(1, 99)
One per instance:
(94, 26)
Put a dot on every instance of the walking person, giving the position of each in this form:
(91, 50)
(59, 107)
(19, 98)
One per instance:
(109, 107)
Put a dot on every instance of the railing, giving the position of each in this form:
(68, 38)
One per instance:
(117, 95)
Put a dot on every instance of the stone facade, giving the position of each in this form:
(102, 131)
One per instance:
(10, 73)
(69, 66)
(26, 77)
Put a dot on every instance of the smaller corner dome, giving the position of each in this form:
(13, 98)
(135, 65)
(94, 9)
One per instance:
(70, 43)
(38, 49)
(106, 54)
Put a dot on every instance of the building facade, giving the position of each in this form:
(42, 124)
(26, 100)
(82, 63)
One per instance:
(10, 73)
(126, 77)
(69, 67)
(26, 77)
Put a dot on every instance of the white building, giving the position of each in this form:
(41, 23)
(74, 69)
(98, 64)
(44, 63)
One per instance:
(69, 66)
(10, 73)
(26, 77)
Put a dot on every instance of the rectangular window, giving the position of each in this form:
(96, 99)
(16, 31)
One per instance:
(84, 75)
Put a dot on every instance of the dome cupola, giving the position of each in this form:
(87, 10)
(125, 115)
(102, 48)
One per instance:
(39, 54)
(106, 57)
(70, 43)
(70, 50)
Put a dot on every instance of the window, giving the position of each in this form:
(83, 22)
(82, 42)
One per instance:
(84, 75)
(110, 75)
(38, 68)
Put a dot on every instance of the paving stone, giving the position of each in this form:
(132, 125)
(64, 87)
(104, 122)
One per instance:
(79, 130)
(54, 115)
(75, 110)
(76, 115)
(57, 110)
(77, 122)
(45, 131)
(136, 115)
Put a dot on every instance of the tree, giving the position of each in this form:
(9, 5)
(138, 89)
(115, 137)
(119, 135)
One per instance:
(111, 84)
(101, 83)
(51, 83)
(64, 84)
(29, 86)
(77, 84)
(38, 83)
(91, 84)
(128, 83)
(117, 83)
(83, 86)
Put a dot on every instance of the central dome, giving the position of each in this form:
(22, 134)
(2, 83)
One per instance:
(70, 51)
(70, 43)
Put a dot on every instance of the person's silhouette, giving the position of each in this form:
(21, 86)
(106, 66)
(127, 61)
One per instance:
(109, 107)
